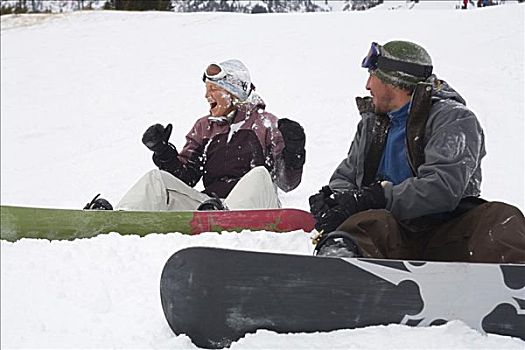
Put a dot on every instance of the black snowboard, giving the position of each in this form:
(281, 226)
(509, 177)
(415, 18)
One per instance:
(216, 296)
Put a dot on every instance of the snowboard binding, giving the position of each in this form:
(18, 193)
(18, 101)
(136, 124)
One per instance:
(338, 244)
(213, 203)
(98, 204)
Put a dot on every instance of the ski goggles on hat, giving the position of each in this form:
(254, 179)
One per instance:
(376, 60)
(370, 61)
(214, 72)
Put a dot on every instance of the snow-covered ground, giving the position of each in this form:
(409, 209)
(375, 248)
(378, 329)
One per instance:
(79, 89)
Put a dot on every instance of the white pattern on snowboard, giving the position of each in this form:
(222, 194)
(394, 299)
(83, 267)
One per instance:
(479, 289)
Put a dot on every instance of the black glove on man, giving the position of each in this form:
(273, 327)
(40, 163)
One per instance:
(372, 197)
(330, 220)
(326, 210)
(347, 203)
(322, 201)
(156, 138)
(294, 140)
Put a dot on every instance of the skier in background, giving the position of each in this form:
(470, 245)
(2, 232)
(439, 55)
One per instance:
(410, 185)
(241, 152)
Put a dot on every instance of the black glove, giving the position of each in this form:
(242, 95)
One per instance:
(347, 204)
(330, 220)
(322, 201)
(328, 212)
(156, 138)
(372, 197)
(294, 141)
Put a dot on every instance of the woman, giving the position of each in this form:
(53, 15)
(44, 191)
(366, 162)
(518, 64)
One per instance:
(241, 152)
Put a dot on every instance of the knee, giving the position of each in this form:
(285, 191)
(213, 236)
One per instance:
(149, 176)
(499, 235)
(259, 172)
(501, 213)
(503, 208)
(153, 173)
(165, 179)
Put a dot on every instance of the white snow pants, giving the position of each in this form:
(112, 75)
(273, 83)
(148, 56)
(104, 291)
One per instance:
(158, 190)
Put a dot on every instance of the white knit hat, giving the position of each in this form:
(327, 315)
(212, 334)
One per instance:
(235, 79)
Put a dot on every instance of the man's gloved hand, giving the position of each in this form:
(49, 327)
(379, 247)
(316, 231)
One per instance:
(372, 197)
(347, 204)
(156, 138)
(330, 220)
(294, 141)
(326, 209)
(322, 201)
(340, 207)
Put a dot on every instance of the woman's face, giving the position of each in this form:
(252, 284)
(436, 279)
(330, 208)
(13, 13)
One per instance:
(220, 100)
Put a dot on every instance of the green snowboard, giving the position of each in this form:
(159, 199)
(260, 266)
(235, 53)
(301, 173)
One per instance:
(55, 224)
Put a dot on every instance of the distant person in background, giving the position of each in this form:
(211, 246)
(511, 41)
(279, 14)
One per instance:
(241, 152)
(484, 3)
(410, 185)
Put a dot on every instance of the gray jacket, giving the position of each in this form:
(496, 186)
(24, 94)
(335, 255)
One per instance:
(445, 145)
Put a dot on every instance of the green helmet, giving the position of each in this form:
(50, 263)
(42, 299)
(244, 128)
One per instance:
(402, 64)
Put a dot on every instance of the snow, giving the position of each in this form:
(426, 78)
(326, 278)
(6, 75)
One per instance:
(79, 89)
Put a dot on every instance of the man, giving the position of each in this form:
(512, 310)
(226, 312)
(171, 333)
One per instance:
(241, 152)
(410, 185)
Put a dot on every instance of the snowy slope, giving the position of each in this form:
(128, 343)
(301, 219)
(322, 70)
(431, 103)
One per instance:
(79, 89)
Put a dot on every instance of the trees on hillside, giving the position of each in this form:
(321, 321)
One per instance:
(140, 5)
(261, 6)
(244, 6)
(360, 5)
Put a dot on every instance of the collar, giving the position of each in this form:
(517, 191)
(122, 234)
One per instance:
(224, 119)
(400, 113)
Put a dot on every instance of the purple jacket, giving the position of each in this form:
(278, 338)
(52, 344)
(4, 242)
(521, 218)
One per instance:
(222, 151)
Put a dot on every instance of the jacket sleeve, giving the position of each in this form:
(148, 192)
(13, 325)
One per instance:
(453, 152)
(188, 164)
(345, 175)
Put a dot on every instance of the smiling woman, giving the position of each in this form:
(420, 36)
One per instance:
(220, 100)
(242, 153)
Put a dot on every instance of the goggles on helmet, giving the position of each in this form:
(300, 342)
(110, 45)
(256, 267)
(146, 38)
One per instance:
(214, 72)
(370, 61)
(376, 60)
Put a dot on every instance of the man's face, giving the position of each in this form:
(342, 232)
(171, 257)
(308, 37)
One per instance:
(383, 95)
(219, 99)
